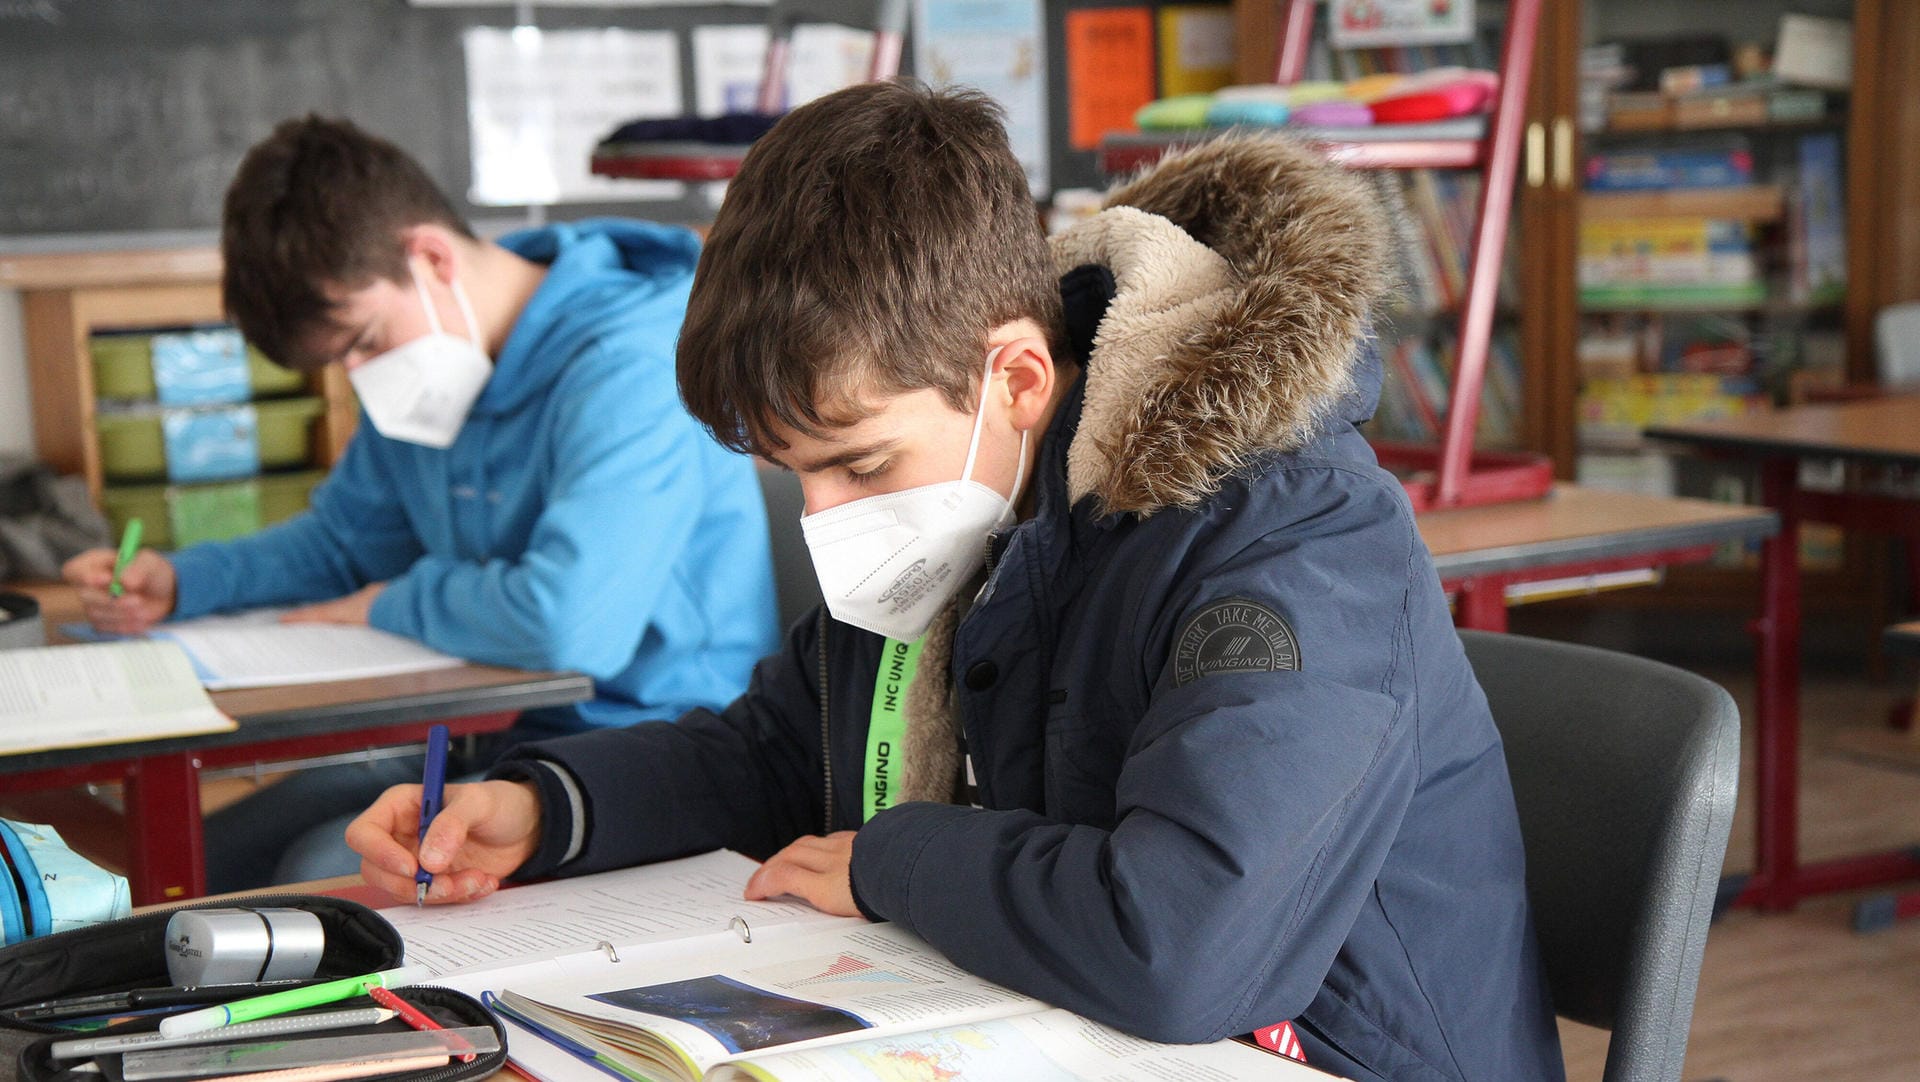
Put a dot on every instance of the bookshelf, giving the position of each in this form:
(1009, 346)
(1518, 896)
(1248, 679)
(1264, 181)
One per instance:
(72, 302)
(1801, 336)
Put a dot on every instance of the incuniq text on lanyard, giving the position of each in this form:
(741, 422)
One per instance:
(885, 732)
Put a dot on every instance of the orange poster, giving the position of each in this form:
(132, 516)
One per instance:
(1109, 71)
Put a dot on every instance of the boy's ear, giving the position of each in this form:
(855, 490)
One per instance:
(1028, 367)
(434, 246)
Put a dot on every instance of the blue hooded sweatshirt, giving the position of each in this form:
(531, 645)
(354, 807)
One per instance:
(581, 520)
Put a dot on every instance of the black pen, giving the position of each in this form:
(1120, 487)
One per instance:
(208, 993)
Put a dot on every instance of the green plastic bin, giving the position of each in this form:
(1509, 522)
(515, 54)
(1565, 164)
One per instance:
(123, 366)
(284, 495)
(148, 503)
(269, 380)
(286, 430)
(133, 446)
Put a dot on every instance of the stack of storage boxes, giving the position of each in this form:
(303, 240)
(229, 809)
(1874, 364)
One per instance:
(201, 437)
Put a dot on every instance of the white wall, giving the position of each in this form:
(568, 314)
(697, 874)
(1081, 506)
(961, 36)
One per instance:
(16, 403)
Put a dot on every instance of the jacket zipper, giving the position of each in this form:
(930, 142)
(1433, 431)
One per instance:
(826, 748)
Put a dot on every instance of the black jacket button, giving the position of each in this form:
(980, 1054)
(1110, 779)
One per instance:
(982, 675)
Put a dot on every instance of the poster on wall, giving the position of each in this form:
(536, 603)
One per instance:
(1362, 24)
(729, 60)
(539, 100)
(1109, 71)
(996, 47)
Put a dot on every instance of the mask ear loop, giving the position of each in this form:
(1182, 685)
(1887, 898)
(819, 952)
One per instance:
(980, 415)
(466, 313)
(426, 302)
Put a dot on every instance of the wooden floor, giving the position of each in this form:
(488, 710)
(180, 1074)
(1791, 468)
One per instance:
(1800, 996)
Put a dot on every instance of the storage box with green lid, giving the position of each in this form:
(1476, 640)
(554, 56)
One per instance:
(133, 442)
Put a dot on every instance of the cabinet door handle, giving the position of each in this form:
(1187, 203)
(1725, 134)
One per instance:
(1536, 154)
(1563, 153)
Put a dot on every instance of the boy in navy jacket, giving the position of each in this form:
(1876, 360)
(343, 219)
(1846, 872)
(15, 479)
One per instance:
(1134, 689)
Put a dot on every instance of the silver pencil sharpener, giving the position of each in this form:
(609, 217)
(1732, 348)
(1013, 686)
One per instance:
(243, 946)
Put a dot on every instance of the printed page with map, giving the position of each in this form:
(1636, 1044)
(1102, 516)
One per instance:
(870, 1001)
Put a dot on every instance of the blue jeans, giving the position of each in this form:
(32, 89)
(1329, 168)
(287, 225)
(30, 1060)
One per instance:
(294, 830)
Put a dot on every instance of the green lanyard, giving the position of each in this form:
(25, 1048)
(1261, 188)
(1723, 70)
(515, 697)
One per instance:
(888, 728)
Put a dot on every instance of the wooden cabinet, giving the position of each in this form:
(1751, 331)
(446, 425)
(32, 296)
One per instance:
(68, 298)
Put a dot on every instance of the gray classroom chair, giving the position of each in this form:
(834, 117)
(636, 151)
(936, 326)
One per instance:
(1624, 771)
(794, 582)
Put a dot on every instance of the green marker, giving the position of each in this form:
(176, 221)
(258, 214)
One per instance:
(293, 999)
(129, 546)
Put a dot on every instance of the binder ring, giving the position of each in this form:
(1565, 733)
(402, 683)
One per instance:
(739, 924)
(608, 947)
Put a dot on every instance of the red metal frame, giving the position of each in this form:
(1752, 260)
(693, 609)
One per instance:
(1450, 474)
(1480, 601)
(166, 848)
(1779, 880)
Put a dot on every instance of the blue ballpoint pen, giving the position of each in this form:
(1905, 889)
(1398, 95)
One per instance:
(432, 785)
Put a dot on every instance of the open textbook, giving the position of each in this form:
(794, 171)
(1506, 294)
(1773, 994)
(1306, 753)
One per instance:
(101, 693)
(254, 649)
(663, 972)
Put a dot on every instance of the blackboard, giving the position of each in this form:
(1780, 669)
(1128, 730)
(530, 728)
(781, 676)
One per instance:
(122, 116)
(131, 115)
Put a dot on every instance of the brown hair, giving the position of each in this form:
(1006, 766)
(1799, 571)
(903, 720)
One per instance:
(870, 242)
(318, 204)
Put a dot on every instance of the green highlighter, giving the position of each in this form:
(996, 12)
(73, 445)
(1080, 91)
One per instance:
(129, 547)
(293, 999)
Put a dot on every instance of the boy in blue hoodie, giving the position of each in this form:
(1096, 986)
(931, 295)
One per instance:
(525, 488)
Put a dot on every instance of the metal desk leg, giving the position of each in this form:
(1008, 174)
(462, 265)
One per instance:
(167, 849)
(1775, 884)
(1481, 604)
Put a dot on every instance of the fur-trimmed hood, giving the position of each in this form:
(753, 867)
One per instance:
(1245, 271)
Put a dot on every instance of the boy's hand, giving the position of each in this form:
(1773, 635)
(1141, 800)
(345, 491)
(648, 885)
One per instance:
(483, 832)
(351, 609)
(818, 871)
(147, 586)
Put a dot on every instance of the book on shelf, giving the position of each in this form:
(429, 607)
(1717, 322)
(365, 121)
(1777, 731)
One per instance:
(1817, 229)
(1666, 262)
(1613, 411)
(663, 972)
(1418, 383)
(1721, 163)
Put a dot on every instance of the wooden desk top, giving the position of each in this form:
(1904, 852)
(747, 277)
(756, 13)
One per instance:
(295, 710)
(1885, 430)
(1574, 524)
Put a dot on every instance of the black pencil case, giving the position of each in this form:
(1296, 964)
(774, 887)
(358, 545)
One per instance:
(126, 954)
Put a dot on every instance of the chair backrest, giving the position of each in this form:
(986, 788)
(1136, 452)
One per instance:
(794, 582)
(1624, 771)
(1896, 331)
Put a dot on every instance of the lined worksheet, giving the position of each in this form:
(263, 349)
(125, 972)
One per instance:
(100, 693)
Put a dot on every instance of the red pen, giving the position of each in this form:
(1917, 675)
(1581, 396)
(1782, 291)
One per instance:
(410, 1014)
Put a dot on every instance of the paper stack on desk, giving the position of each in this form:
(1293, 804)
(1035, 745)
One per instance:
(100, 693)
(254, 649)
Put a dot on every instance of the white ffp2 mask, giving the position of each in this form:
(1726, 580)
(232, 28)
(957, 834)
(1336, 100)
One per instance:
(888, 563)
(420, 392)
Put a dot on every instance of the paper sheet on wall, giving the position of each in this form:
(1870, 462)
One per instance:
(728, 62)
(997, 47)
(539, 100)
(1196, 48)
(1362, 24)
(1109, 71)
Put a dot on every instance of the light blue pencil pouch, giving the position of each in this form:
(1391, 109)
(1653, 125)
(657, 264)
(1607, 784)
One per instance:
(50, 888)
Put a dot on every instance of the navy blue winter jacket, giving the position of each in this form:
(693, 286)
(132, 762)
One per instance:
(1232, 765)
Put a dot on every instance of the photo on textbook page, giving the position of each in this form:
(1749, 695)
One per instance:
(739, 1016)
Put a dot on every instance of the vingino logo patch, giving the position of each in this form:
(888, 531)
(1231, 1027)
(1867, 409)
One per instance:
(1234, 636)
